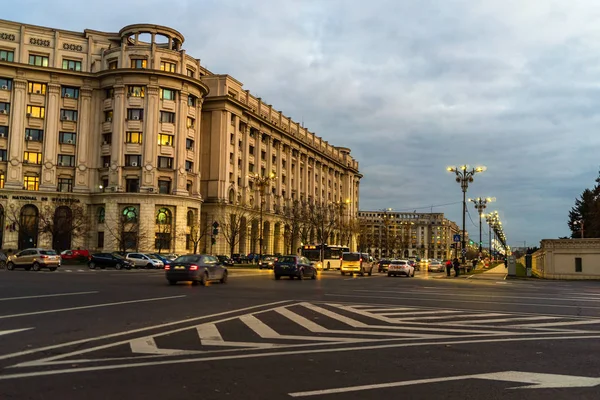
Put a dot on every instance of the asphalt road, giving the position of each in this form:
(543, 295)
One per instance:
(82, 334)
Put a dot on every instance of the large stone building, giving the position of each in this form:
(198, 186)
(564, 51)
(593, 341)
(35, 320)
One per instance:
(131, 133)
(387, 233)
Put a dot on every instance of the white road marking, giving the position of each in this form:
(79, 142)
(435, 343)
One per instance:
(455, 316)
(495, 320)
(284, 353)
(536, 380)
(90, 306)
(550, 324)
(47, 295)
(13, 331)
(210, 336)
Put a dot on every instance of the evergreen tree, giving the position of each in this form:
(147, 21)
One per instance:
(585, 215)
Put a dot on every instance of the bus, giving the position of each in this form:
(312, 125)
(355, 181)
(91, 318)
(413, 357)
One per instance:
(331, 254)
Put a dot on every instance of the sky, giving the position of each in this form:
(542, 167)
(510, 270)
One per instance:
(411, 86)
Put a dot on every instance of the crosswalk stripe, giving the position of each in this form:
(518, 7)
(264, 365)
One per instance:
(511, 319)
(550, 324)
(418, 313)
(13, 331)
(210, 336)
(459, 316)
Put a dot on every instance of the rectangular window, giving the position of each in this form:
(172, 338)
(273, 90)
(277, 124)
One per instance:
(191, 123)
(36, 87)
(70, 92)
(37, 135)
(189, 165)
(232, 119)
(68, 115)
(67, 137)
(133, 160)
(30, 157)
(139, 63)
(167, 66)
(135, 114)
(192, 101)
(3, 155)
(191, 73)
(109, 93)
(133, 137)
(167, 117)
(105, 162)
(4, 108)
(107, 138)
(164, 187)
(36, 112)
(188, 241)
(6, 55)
(251, 167)
(2, 179)
(162, 240)
(65, 160)
(132, 185)
(108, 115)
(165, 162)
(165, 140)
(113, 64)
(71, 65)
(65, 185)
(37, 60)
(31, 183)
(136, 91)
(5, 84)
(100, 241)
(263, 155)
(251, 150)
(578, 264)
(167, 94)
(189, 144)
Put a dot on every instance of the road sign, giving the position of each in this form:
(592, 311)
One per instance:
(464, 251)
(456, 238)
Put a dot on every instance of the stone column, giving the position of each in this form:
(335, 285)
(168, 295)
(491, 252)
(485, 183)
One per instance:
(84, 147)
(48, 178)
(16, 139)
(245, 156)
(118, 138)
(180, 150)
(278, 169)
(150, 138)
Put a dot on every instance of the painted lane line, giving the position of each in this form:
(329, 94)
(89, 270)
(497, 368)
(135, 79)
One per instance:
(284, 353)
(470, 317)
(210, 336)
(495, 320)
(417, 313)
(91, 306)
(47, 295)
(550, 324)
(113, 335)
(13, 331)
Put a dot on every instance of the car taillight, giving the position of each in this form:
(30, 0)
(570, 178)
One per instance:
(167, 267)
(42, 256)
(193, 267)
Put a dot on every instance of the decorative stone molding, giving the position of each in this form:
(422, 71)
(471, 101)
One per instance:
(7, 36)
(72, 47)
(39, 42)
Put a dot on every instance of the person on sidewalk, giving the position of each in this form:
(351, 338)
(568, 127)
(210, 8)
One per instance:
(448, 267)
(456, 264)
(475, 262)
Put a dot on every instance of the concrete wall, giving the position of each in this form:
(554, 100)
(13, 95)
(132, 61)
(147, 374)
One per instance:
(557, 257)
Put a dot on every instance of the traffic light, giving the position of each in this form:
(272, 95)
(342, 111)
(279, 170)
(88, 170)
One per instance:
(215, 231)
(213, 240)
(471, 242)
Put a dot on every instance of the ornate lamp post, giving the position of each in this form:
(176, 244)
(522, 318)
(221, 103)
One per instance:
(581, 223)
(491, 220)
(480, 206)
(464, 176)
(262, 183)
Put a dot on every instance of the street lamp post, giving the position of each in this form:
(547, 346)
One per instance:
(261, 182)
(480, 205)
(491, 219)
(581, 223)
(464, 176)
(385, 223)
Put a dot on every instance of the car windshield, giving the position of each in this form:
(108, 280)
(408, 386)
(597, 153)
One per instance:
(188, 259)
(287, 259)
(152, 256)
(48, 252)
(118, 256)
(351, 257)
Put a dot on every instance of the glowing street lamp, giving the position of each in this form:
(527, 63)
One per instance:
(480, 206)
(261, 182)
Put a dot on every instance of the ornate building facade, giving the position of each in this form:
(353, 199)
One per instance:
(130, 129)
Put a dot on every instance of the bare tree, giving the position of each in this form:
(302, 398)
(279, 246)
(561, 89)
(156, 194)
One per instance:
(163, 237)
(294, 218)
(61, 223)
(231, 225)
(125, 230)
(322, 218)
(13, 219)
(194, 234)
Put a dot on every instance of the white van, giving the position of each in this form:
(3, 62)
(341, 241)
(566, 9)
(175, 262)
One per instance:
(355, 263)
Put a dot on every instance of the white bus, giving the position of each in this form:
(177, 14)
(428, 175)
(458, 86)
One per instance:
(331, 255)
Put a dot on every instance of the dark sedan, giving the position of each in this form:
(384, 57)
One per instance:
(225, 261)
(108, 260)
(197, 268)
(382, 265)
(294, 267)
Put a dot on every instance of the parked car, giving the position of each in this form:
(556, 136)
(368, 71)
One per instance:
(382, 265)
(239, 258)
(3, 259)
(414, 264)
(197, 268)
(400, 267)
(294, 267)
(170, 256)
(108, 260)
(34, 259)
(267, 261)
(228, 262)
(75, 255)
(141, 260)
(436, 266)
(162, 257)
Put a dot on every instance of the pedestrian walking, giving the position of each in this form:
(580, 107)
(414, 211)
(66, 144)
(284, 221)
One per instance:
(448, 267)
(475, 262)
(456, 264)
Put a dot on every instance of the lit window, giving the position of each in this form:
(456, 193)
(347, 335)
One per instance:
(65, 160)
(139, 63)
(167, 117)
(31, 183)
(136, 91)
(133, 137)
(35, 87)
(108, 116)
(67, 137)
(68, 115)
(37, 60)
(191, 73)
(5, 84)
(113, 64)
(1, 181)
(32, 158)
(36, 135)
(167, 94)
(191, 122)
(165, 162)
(70, 92)
(36, 112)
(165, 140)
(101, 215)
(71, 65)
(167, 66)
(6, 55)
(130, 213)
(65, 185)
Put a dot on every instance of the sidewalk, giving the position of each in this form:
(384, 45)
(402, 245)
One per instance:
(497, 273)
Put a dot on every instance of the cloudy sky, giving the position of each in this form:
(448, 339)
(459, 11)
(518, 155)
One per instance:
(412, 86)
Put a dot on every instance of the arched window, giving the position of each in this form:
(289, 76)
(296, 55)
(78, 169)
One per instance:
(28, 226)
(130, 214)
(191, 218)
(63, 228)
(164, 216)
(231, 196)
(101, 215)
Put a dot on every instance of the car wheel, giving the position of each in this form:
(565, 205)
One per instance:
(91, 265)
(224, 277)
(204, 279)
(149, 266)
(389, 274)
(370, 272)
(36, 266)
(314, 275)
(10, 266)
(172, 282)
(118, 266)
(343, 273)
(277, 277)
(362, 272)
(52, 269)
(300, 274)
(2, 264)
